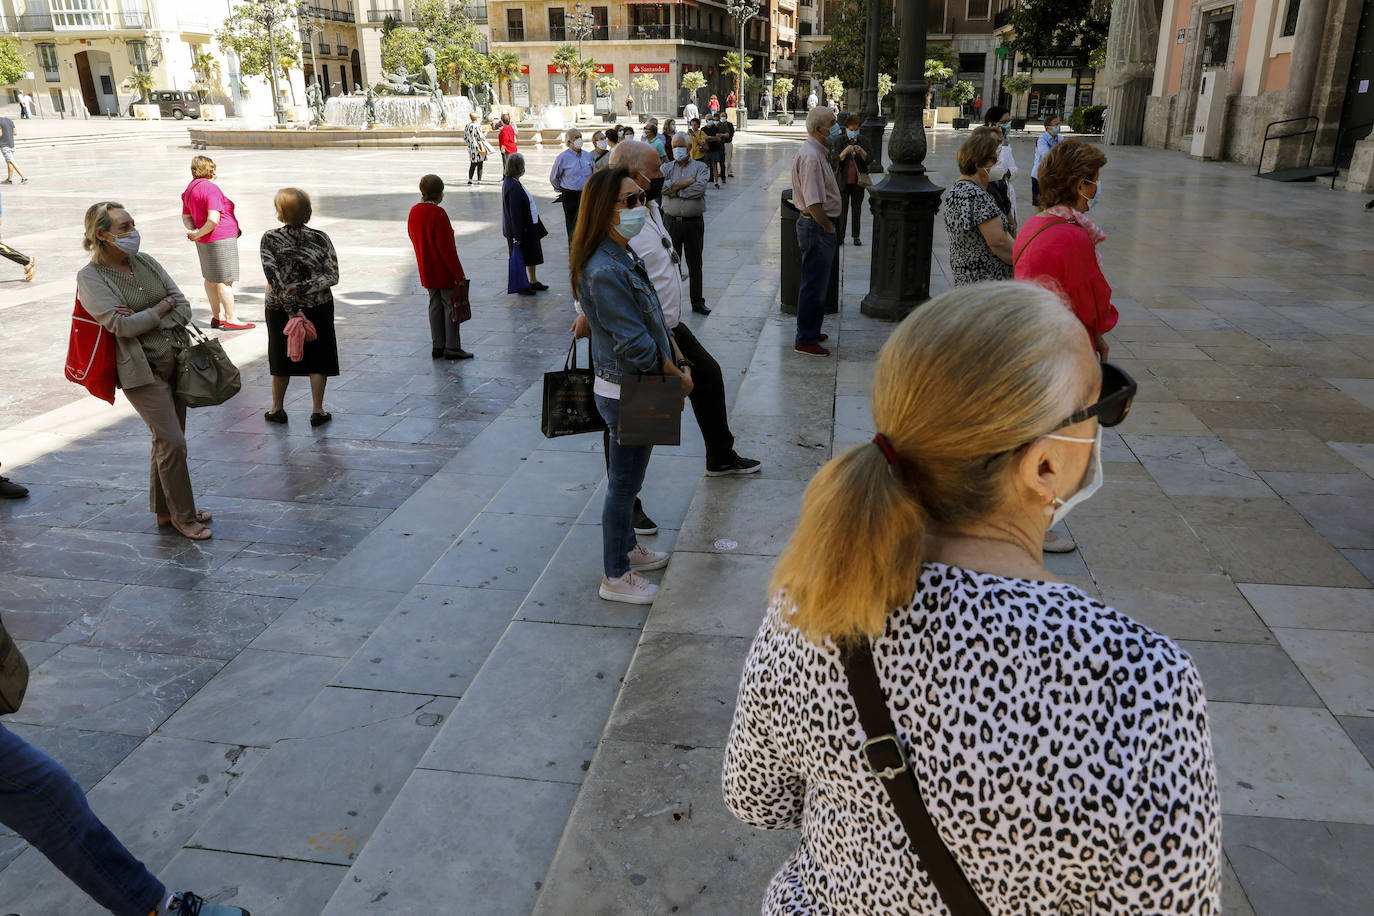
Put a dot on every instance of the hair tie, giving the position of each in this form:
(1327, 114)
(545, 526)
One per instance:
(888, 451)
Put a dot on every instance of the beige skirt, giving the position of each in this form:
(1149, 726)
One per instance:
(219, 261)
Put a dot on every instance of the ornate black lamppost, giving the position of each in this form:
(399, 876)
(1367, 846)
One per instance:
(905, 201)
(873, 125)
(743, 11)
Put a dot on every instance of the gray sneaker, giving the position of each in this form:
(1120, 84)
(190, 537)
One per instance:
(186, 903)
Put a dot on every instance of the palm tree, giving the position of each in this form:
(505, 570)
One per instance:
(140, 82)
(731, 67)
(505, 67)
(584, 69)
(936, 72)
(565, 59)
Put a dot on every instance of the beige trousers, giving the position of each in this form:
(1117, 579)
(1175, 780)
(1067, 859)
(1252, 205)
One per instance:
(169, 479)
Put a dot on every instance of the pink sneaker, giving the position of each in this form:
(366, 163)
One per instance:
(630, 588)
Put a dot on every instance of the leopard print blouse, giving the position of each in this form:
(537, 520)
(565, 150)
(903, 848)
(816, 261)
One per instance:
(1062, 749)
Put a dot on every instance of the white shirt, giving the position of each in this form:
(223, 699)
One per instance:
(689, 111)
(655, 249)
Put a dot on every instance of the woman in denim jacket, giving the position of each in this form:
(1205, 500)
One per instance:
(628, 335)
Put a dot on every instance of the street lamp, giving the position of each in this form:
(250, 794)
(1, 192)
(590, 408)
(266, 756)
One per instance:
(905, 201)
(583, 25)
(269, 13)
(310, 27)
(743, 11)
(873, 125)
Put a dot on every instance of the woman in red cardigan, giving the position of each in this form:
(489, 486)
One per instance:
(1058, 247)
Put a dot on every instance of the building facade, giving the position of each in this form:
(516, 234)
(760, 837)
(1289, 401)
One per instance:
(329, 42)
(659, 40)
(372, 17)
(1273, 60)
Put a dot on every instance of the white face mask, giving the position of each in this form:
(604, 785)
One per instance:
(577, 144)
(997, 173)
(1064, 506)
(602, 144)
(127, 243)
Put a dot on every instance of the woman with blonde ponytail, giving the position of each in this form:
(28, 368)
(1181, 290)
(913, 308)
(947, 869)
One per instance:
(1061, 748)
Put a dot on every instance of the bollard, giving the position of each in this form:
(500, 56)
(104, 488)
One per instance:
(791, 263)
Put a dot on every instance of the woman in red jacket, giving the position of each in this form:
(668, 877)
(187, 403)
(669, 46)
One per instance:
(436, 255)
(1058, 247)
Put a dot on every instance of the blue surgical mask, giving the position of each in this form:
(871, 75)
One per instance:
(1055, 130)
(128, 242)
(631, 221)
(680, 153)
(1097, 195)
(1063, 506)
(852, 134)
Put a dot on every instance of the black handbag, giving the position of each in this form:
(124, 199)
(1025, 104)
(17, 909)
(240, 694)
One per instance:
(883, 755)
(14, 674)
(205, 376)
(650, 410)
(569, 405)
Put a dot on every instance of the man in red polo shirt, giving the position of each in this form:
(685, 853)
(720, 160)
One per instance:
(506, 138)
(436, 254)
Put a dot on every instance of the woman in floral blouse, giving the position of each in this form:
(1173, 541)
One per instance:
(477, 147)
(300, 266)
(979, 233)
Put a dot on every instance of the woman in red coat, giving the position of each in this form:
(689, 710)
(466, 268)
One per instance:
(1058, 247)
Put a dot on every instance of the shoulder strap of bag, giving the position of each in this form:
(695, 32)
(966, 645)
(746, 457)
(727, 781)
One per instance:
(1048, 224)
(883, 755)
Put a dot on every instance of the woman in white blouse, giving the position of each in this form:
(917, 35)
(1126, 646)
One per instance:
(1061, 748)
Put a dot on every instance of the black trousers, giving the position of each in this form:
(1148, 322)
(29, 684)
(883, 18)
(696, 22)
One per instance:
(689, 234)
(707, 397)
(572, 202)
(475, 168)
(848, 193)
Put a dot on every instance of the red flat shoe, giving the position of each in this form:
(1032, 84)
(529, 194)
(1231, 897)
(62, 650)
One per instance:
(215, 323)
(230, 326)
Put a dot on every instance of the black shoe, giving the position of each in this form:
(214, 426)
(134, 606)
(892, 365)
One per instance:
(436, 354)
(188, 904)
(529, 291)
(858, 244)
(278, 416)
(701, 308)
(644, 526)
(457, 354)
(539, 286)
(11, 490)
(7, 181)
(735, 467)
(319, 419)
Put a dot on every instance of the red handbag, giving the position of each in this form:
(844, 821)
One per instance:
(91, 355)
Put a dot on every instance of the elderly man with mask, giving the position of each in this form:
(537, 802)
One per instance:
(570, 172)
(684, 206)
(654, 247)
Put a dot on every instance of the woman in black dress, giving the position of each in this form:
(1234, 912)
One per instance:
(300, 266)
(520, 222)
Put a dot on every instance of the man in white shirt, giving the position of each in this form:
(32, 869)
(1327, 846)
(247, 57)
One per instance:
(654, 247)
(812, 101)
(689, 111)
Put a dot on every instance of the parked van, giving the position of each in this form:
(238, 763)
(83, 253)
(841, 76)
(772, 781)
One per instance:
(173, 104)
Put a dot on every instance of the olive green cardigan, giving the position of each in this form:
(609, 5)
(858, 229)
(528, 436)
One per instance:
(100, 296)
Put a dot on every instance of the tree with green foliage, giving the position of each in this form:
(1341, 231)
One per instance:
(452, 35)
(784, 85)
(884, 89)
(834, 90)
(730, 66)
(402, 48)
(607, 85)
(584, 69)
(505, 67)
(644, 82)
(12, 63)
(565, 59)
(693, 81)
(937, 74)
(245, 35)
(141, 82)
(1060, 28)
(843, 56)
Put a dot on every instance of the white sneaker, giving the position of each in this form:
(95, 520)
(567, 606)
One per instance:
(630, 588)
(643, 559)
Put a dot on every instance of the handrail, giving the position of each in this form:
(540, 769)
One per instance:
(1336, 153)
(1298, 133)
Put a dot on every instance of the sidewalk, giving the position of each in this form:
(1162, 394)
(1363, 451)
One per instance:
(387, 684)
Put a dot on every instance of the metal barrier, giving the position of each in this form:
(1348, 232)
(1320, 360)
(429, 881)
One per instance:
(1316, 123)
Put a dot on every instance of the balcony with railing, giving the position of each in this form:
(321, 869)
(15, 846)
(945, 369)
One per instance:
(648, 32)
(86, 20)
(383, 14)
(1003, 17)
(477, 12)
(333, 15)
(341, 50)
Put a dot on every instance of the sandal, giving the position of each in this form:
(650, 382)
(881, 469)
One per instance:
(275, 416)
(201, 516)
(200, 533)
(319, 419)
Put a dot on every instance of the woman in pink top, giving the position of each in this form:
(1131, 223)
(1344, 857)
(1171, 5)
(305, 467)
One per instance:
(209, 219)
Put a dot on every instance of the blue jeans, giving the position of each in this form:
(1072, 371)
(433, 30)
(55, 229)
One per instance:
(623, 481)
(817, 258)
(44, 805)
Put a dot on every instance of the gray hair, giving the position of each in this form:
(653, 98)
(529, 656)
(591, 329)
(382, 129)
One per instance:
(681, 136)
(817, 118)
(515, 165)
(628, 154)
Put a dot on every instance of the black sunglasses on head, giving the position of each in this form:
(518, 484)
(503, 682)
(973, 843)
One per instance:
(633, 200)
(1112, 405)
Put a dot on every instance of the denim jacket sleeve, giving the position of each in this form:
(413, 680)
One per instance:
(612, 300)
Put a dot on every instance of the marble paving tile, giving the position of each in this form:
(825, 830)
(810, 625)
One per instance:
(1234, 902)
(667, 495)
(272, 570)
(1237, 512)
(87, 755)
(1338, 663)
(1196, 466)
(176, 621)
(112, 690)
(1284, 450)
(1360, 454)
(1335, 504)
(1361, 731)
(328, 620)
(1361, 389)
(1150, 543)
(366, 455)
(40, 607)
(254, 699)
(1162, 420)
(344, 487)
(63, 506)
(281, 887)
(1288, 866)
(567, 590)
(433, 642)
(1196, 606)
(1282, 761)
(508, 830)
(680, 689)
(1242, 673)
(500, 551)
(664, 840)
(1279, 556)
(1313, 607)
(791, 448)
(550, 484)
(758, 515)
(712, 594)
(323, 812)
(542, 721)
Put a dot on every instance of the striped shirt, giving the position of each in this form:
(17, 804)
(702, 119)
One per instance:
(143, 290)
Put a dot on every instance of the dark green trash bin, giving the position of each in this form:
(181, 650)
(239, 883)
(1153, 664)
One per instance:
(791, 263)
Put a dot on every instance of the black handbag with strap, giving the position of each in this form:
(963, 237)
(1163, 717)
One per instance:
(883, 755)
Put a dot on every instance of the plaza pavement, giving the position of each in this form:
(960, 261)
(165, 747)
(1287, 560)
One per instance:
(387, 684)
